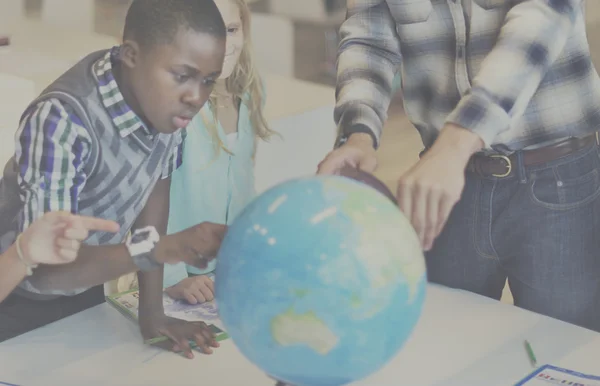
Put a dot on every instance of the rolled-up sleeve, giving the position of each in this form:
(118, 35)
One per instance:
(531, 39)
(368, 58)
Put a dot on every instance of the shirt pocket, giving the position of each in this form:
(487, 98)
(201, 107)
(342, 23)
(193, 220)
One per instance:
(410, 11)
(491, 4)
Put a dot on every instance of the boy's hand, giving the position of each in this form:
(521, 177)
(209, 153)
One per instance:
(196, 289)
(195, 246)
(357, 152)
(179, 332)
(56, 237)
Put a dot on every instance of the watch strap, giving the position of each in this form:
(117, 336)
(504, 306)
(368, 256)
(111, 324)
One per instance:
(141, 244)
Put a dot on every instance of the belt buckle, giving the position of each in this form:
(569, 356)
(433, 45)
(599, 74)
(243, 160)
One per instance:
(508, 165)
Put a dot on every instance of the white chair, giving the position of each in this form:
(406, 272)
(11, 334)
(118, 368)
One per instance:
(273, 40)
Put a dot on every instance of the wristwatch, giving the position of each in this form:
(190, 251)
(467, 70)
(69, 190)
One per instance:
(141, 244)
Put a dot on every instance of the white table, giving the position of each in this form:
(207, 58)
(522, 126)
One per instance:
(481, 345)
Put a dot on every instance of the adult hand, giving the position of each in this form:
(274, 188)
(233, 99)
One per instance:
(429, 190)
(357, 152)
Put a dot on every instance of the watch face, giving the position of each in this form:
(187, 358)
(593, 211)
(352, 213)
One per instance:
(139, 237)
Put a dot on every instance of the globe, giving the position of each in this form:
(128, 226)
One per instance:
(368, 179)
(320, 281)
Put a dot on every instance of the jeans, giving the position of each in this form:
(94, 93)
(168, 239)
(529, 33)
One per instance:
(539, 228)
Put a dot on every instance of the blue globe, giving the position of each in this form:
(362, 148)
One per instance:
(320, 281)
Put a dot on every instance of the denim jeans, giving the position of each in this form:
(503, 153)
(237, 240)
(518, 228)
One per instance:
(540, 229)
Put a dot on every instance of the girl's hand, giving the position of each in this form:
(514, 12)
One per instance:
(196, 289)
(55, 238)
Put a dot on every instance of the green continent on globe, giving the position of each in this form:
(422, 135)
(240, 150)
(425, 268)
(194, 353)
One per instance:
(388, 248)
(291, 328)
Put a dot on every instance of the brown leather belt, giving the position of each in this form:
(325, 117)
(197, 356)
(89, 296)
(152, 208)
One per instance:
(501, 166)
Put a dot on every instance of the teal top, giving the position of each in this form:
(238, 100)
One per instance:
(208, 186)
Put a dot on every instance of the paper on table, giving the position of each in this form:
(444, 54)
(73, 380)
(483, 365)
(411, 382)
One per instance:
(550, 375)
(128, 302)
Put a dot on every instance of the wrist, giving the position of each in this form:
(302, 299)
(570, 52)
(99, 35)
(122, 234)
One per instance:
(461, 142)
(161, 249)
(361, 139)
(16, 262)
(141, 245)
(23, 254)
(148, 312)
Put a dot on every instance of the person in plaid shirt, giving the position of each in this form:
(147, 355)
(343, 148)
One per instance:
(507, 102)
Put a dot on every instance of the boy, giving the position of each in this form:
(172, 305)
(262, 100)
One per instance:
(507, 101)
(102, 141)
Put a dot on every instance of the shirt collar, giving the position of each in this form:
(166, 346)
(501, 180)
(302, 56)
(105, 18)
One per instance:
(125, 120)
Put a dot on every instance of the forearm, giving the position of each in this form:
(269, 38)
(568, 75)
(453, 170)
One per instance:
(155, 213)
(458, 142)
(531, 39)
(151, 292)
(95, 265)
(12, 272)
(368, 56)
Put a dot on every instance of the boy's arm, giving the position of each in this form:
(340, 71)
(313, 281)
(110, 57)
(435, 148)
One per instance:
(52, 148)
(153, 321)
(156, 213)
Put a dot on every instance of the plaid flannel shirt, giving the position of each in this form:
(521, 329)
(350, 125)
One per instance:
(516, 72)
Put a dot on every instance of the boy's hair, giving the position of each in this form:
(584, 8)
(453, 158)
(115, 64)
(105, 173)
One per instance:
(245, 84)
(151, 22)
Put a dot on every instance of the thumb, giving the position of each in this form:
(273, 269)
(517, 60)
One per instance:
(334, 162)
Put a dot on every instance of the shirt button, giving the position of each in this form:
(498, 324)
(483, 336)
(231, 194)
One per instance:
(460, 52)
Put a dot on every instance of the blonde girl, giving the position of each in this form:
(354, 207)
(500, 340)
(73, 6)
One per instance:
(216, 179)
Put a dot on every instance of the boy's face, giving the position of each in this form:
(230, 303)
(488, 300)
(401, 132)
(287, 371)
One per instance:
(171, 82)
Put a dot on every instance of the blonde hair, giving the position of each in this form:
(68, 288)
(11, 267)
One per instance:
(246, 86)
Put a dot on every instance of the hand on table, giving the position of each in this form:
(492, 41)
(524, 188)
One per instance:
(429, 190)
(195, 289)
(180, 333)
(56, 237)
(196, 246)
